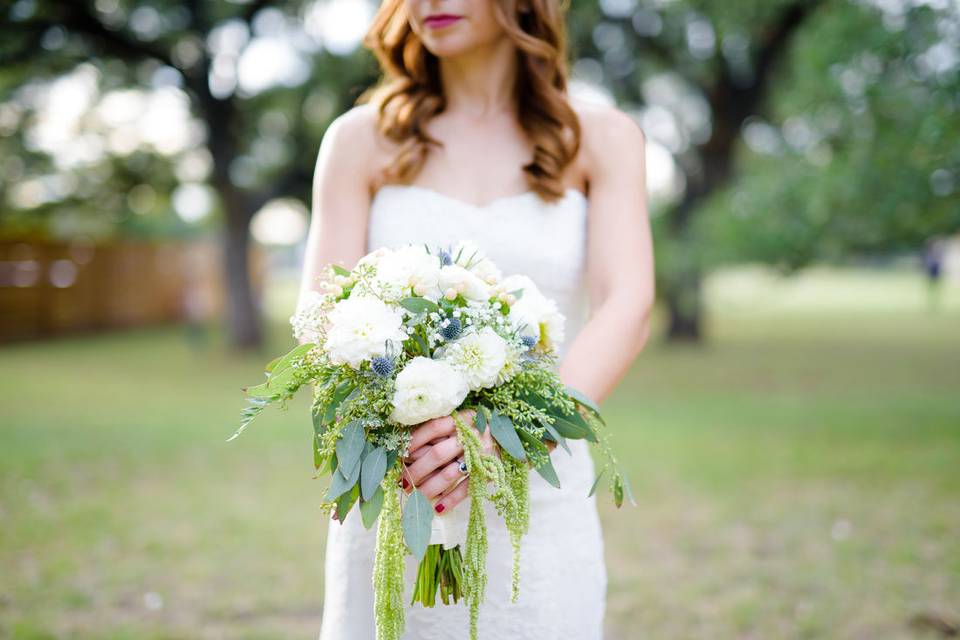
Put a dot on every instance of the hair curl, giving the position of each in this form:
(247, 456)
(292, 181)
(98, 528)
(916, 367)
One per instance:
(409, 91)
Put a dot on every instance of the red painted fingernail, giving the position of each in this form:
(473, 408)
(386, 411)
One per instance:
(439, 508)
(405, 483)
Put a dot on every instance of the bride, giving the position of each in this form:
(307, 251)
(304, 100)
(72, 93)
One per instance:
(471, 135)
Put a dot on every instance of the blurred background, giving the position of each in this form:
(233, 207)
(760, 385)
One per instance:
(792, 431)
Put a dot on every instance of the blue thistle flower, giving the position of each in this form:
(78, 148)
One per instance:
(446, 259)
(528, 341)
(382, 366)
(452, 330)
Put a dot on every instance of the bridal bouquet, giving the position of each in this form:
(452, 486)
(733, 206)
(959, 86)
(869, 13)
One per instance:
(415, 333)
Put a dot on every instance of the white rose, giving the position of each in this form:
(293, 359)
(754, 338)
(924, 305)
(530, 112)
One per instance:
(479, 355)
(462, 280)
(426, 389)
(406, 268)
(534, 314)
(359, 329)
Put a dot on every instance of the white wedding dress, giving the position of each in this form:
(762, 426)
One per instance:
(563, 578)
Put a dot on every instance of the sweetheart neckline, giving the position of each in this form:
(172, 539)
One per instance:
(470, 205)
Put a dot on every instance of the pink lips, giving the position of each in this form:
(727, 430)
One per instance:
(440, 20)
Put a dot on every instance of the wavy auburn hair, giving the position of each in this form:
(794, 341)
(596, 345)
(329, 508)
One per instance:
(409, 92)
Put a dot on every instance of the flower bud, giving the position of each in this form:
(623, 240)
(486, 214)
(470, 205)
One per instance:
(510, 299)
(420, 290)
(450, 294)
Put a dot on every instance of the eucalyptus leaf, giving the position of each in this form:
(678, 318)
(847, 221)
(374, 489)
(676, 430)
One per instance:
(556, 437)
(573, 426)
(350, 445)
(532, 441)
(372, 472)
(370, 509)
(596, 482)
(581, 398)
(480, 419)
(345, 503)
(548, 473)
(417, 516)
(342, 391)
(503, 431)
(517, 293)
(418, 305)
(339, 483)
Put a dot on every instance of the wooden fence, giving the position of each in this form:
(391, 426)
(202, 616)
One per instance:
(50, 288)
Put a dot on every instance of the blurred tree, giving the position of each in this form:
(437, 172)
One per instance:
(801, 129)
(848, 112)
(257, 141)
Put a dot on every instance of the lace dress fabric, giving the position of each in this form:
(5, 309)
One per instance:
(563, 578)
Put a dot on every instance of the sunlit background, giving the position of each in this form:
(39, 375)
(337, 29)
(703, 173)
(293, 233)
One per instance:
(792, 431)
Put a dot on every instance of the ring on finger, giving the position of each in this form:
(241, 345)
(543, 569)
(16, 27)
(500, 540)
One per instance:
(462, 466)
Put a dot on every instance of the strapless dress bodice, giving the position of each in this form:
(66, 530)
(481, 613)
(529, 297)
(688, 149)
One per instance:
(521, 233)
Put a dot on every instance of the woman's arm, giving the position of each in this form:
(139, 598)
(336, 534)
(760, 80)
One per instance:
(619, 257)
(341, 198)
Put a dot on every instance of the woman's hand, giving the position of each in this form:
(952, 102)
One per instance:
(432, 462)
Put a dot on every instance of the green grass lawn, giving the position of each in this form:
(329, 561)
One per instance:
(797, 477)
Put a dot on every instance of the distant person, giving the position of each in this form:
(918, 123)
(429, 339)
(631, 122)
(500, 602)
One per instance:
(933, 257)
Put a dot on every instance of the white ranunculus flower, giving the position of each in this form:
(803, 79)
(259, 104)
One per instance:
(471, 257)
(359, 329)
(406, 268)
(479, 355)
(454, 276)
(535, 314)
(426, 389)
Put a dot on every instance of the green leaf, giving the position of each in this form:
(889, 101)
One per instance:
(556, 437)
(532, 440)
(343, 390)
(339, 484)
(349, 446)
(340, 271)
(596, 482)
(480, 419)
(421, 343)
(279, 364)
(345, 503)
(277, 383)
(418, 305)
(417, 515)
(626, 488)
(503, 431)
(370, 509)
(517, 293)
(548, 473)
(572, 425)
(617, 491)
(251, 411)
(582, 399)
(374, 468)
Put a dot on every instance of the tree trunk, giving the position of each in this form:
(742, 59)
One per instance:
(243, 308)
(683, 298)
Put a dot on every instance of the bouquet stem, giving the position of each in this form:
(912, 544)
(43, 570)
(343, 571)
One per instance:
(440, 568)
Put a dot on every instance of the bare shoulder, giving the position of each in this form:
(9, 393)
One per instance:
(351, 139)
(610, 138)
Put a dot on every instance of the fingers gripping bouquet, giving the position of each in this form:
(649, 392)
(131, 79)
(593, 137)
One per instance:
(416, 333)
